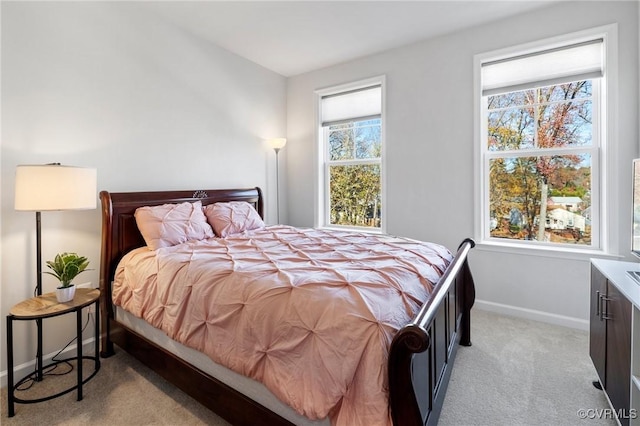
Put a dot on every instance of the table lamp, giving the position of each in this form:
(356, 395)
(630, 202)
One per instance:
(53, 187)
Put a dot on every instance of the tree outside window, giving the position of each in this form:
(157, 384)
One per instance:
(540, 150)
(353, 168)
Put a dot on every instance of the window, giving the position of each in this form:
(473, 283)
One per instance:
(541, 124)
(351, 156)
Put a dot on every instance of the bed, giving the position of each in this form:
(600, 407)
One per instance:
(420, 355)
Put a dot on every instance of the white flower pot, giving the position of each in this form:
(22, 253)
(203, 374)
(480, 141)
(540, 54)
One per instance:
(65, 294)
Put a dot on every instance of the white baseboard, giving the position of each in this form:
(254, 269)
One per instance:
(22, 370)
(532, 314)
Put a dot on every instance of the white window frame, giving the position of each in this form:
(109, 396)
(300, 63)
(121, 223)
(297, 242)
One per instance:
(605, 123)
(322, 202)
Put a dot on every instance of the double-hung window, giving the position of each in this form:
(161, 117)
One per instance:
(542, 142)
(351, 156)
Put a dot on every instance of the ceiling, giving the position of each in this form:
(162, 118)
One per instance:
(294, 37)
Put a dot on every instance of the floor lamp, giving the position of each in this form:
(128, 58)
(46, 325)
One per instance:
(52, 187)
(277, 144)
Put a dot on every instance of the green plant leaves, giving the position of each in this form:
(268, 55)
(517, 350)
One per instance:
(66, 266)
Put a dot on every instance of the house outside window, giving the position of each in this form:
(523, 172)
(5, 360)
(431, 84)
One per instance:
(542, 128)
(351, 148)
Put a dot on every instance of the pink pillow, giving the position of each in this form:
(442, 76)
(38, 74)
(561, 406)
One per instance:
(171, 224)
(232, 217)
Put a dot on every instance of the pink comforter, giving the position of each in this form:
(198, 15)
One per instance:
(310, 313)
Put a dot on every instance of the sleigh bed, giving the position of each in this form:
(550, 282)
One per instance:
(420, 353)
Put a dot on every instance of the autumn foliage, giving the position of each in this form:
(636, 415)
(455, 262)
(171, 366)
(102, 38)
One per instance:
(540, 141)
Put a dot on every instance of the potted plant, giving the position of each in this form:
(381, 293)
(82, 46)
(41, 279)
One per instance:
(65, 267)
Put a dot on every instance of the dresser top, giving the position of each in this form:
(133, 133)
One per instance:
(617, 272)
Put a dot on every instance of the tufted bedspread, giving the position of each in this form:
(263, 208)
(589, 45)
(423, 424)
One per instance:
(310, 313)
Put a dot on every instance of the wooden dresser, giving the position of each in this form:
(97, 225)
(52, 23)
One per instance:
(614, 338)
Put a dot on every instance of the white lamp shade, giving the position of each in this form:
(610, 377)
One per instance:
(277, 143)
(55, 187)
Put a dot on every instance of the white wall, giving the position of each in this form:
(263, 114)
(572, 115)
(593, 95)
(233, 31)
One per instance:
(430, 153)
(111, 85)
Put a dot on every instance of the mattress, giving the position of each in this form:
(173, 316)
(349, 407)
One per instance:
(249, 387)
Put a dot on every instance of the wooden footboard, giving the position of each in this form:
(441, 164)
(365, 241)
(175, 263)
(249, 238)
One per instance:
(421, 355)
(422, 352)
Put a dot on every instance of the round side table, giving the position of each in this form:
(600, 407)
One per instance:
(47, 306)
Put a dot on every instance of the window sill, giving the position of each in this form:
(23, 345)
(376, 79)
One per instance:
(354, 229)
(546, 251)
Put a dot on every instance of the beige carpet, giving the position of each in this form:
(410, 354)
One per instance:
(521, 372)
(517, 372)
(124, 392)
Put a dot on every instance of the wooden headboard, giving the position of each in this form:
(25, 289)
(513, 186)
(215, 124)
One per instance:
(120, 233)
